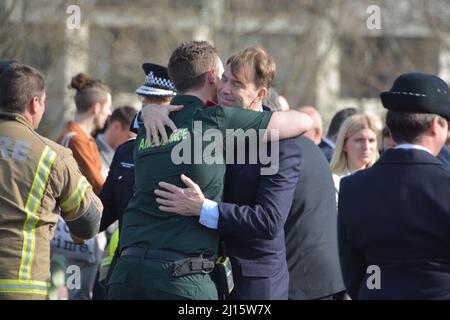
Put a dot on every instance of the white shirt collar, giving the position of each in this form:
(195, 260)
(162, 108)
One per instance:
(329, 142)
(412, 146)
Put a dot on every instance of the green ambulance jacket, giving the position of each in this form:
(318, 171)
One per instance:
(196, 150)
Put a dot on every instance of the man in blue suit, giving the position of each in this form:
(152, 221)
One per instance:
(251, 220)
(394, 218)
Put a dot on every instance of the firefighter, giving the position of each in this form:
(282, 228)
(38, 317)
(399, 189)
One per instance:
(40, 181)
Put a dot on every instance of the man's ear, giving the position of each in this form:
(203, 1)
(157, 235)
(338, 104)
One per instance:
(117, 125)
(34, 105)
(262, 93)
(435, 125)
(96, 108)
(211, 77)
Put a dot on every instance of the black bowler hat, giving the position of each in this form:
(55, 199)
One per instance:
(5, 64)
(418, 92)
(157, 82)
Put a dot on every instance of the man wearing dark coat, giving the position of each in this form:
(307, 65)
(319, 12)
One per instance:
(311, 231)
(394, 218)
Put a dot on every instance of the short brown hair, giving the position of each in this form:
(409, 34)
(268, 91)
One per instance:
(409, 126)
(124, 115)
(189, 63)
(89, 91)
(256, 64)
(19, 84)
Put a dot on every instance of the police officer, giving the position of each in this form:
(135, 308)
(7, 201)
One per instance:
(40, 180)
(394, 218)
(118, 188)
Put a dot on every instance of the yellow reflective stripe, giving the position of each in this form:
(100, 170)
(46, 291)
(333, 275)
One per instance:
(106, 261)
(114, 242)
(24, 286)
(74, 200)
(31, 208)
(35, 291)
(112, 248)
(25, 282)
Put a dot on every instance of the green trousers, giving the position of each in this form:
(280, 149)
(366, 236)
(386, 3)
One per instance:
(137, 278)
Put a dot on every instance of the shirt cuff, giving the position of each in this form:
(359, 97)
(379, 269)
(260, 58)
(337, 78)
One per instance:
(209, 216)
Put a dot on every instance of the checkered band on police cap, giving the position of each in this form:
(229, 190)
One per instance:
(157, 81)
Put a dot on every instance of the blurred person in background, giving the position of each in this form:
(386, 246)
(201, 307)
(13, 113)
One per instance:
(271, 100)
(117, 131)
(327, 145)
(315, 133)
(356, 147)
(283, 102)
(93, 105)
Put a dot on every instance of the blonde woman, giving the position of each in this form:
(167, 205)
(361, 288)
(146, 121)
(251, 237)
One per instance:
(356, 147)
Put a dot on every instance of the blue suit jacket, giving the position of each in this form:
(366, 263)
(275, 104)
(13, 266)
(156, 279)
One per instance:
(396, 215)
(251, 223)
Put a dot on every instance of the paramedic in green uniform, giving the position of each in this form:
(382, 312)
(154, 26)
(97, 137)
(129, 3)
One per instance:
(168, 256)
